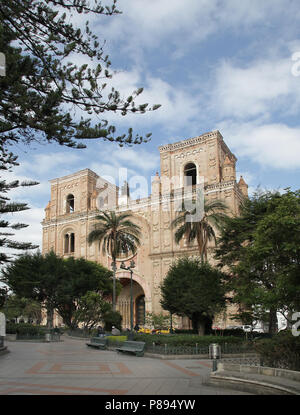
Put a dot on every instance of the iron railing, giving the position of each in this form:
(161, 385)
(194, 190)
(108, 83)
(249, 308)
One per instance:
(196, 349)
(38, 337)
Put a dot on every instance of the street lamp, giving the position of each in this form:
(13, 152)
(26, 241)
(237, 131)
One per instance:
(2, 64)
(131, 266)
(114, 268)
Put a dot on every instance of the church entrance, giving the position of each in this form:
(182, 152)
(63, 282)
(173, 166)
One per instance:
(138, 302)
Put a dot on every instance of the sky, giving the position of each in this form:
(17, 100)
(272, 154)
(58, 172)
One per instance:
(232, 66)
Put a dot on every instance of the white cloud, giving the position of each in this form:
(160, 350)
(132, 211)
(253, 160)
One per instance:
(139, 158)
(146, 22)
(136, 161)
(40, 168)
(181, 24)
(41, 164)
(274, 146)
(256, 90)
(178, 106)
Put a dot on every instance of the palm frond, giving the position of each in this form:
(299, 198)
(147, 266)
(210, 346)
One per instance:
(201, 230)
(116, 232)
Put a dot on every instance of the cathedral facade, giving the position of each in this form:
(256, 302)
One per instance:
(204, 162)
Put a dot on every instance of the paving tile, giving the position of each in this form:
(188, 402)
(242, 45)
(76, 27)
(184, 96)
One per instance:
(69, 367)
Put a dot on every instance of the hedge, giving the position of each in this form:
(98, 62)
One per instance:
(188, 339)
(25, 329)
(116, 339)
(282, 351)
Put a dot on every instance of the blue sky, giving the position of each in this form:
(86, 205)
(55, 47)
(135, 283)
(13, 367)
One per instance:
(211, 64)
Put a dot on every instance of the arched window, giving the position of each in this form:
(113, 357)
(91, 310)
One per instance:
(190, 175)
(100, 202)
(69, 243)
(66, 243)
(72, 242)
(70, 205)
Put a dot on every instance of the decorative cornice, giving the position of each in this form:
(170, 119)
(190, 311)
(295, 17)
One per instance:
(191, 141)
(175, 253)
(76, 175)
(134, 205)
(221, 185)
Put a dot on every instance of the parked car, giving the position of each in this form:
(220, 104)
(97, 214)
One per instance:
(247, 328)
(258, 330)
(233, 327)
(144, 330)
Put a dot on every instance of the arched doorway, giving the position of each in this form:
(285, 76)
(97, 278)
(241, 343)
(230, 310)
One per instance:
(138, 303)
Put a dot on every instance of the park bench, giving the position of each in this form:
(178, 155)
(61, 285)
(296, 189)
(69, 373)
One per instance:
(133, 347)
(98, 342)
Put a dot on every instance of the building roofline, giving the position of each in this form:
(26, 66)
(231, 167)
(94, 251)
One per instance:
(190, 141)
(84, 172)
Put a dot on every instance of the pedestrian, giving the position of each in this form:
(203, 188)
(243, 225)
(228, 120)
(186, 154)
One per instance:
(100, 331)
(136, 327)
(115, 331)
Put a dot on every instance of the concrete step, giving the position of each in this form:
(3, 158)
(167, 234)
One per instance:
(254, 383)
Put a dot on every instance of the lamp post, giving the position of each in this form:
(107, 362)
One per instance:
(131, 266)
(114, 268)
(2, 64)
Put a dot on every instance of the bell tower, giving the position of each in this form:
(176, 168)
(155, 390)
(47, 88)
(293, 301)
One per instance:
(205, 159)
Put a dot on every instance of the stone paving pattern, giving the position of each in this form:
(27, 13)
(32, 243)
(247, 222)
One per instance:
(71, 368)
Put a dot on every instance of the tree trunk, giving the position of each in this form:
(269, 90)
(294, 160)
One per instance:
(272, 321)
(200, 245)
(289, 321)
(198, 324)
(50, 313)
(201, 328)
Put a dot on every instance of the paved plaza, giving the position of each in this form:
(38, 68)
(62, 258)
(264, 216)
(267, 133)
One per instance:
(71, 368)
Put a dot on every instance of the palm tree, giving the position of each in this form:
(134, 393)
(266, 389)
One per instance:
(118, 235)
(202, 230)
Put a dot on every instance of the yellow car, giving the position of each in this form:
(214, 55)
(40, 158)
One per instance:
(153, 331)
(144, 330)
(163, 331)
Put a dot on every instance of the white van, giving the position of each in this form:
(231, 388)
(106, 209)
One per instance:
(247, 328)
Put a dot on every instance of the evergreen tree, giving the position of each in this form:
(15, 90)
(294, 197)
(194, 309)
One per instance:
(55, 282)
(3, 296)
(91, 309)
(8, 160)
(43, 84)
(261, 247)
(16, 306)
(195, 289)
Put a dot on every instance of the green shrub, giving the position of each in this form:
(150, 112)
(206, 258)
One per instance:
(185, 331)
(116, 339)
(281, 351)
(234, 332)
(188, 339)
(112, 318)
(254, 335)
(25, 329)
